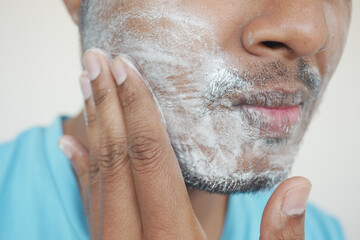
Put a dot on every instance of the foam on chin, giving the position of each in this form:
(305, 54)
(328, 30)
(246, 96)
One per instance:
(216, 149)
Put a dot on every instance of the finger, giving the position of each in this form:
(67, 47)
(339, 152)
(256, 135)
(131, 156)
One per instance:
(112, 131)
(79, 157)
(284, 214)
(154, 165)
(119, 204)
(94, 170)
(92, 129)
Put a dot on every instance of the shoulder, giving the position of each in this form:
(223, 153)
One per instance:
(25, 165)
(37, 182)
(20, 153)
(31, 147)
(22, 144)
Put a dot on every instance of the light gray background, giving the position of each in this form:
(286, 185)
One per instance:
(40, 65)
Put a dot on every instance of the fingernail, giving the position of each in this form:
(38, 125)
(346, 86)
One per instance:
(75, 16)
(119, 71)
(85, 85)
(92, 64)
(130, 63)
(64, 146)
(295, 200)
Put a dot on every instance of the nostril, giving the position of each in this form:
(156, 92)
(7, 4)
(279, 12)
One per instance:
(274, 45)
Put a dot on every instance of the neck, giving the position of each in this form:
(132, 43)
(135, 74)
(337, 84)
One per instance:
(210, 209)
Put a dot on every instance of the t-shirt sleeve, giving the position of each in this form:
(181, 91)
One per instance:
(322, 226)
(39, 195)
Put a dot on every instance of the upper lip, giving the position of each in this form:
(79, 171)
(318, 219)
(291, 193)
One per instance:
(268, 98)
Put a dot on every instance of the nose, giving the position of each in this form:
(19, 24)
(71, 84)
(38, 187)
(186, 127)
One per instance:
(287, 29)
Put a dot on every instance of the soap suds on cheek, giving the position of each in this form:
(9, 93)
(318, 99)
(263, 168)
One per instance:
(217, 149)
(338, 24)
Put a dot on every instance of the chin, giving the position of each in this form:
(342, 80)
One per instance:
(243, 182)
(254, 170)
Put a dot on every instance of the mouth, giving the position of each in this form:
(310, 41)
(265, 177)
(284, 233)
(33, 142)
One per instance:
(273, 122)
(274, 113)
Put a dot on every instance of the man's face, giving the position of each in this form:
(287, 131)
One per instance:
(236, 81)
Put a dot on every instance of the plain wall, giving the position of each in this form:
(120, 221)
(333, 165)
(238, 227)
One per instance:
(40, 66)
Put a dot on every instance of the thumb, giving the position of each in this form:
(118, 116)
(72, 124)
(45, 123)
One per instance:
(284, 214)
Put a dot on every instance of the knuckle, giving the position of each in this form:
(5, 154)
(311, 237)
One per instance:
(94, 169)
(91, 119)
(130, 97)
(112, 152)
(113, 158)
(146, 153)
(101, 96)
(94, 173)
(113, 177)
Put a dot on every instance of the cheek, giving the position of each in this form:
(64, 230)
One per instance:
(337, 18)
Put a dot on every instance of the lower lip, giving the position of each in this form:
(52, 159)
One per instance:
(277, 120)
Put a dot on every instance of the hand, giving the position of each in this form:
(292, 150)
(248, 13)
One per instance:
(129, 177)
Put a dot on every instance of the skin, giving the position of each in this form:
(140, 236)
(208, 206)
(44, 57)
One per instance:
(147, 181)
(201, 64)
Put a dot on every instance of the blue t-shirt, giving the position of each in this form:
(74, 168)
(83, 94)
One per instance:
(40, 199)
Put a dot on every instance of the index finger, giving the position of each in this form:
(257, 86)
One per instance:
(160, 188)
(119, 213)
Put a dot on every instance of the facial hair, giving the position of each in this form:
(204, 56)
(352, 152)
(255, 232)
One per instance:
(219, 147)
